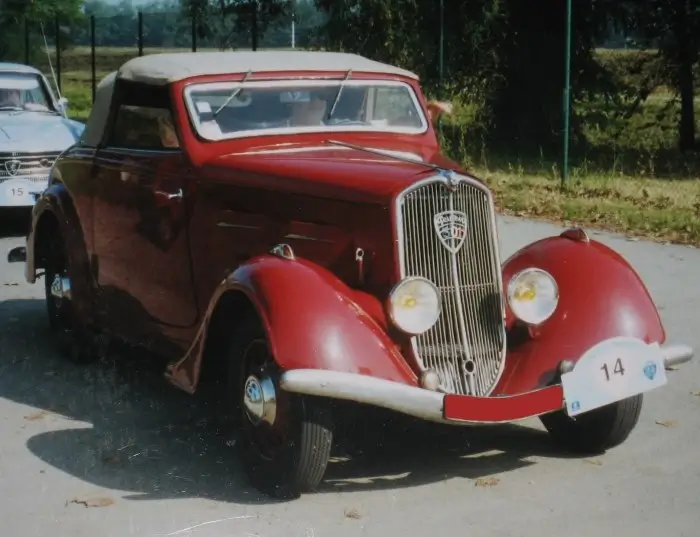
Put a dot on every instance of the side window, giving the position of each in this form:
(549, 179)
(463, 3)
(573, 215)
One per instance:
(143, 127)
(395, 106)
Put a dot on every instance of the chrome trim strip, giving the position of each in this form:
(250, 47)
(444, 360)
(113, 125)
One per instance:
(294, 236)
(238, 226)
(451, 180)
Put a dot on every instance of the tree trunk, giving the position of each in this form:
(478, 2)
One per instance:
(686, 58)
(254, 24)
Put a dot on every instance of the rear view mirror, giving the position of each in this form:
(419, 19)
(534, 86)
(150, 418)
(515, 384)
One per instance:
(438, 108)
(62, 105)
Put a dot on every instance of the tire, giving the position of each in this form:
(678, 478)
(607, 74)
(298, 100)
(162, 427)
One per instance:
(74, 341)
(595, 431)
(290, 457)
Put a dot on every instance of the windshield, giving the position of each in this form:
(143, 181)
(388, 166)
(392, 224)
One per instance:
(23, 91)
(279, 107)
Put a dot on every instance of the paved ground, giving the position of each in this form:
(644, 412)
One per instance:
(145, 462)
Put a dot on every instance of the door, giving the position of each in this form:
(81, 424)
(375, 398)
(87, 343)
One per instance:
(140, 232)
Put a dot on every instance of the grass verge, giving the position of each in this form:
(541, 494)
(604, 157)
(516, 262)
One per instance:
(661, 210)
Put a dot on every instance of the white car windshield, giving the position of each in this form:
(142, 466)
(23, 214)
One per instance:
(23, 91)
(295, 106)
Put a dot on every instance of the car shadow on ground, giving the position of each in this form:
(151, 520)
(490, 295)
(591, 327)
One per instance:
(119, 425)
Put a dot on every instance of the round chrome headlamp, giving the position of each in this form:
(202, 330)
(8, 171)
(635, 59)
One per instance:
(533, 295)
(414, 305)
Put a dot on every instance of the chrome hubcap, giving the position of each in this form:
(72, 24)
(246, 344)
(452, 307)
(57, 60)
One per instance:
(259, 400)
(60, 288)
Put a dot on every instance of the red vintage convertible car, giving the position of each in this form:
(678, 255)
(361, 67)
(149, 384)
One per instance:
(288, 215)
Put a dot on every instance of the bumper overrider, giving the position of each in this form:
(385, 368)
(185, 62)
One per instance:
(610, 371)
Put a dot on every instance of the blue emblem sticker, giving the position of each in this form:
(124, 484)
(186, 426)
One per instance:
(575, 406)
(650, 370)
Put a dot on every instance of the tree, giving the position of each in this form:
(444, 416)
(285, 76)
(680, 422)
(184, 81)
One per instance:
(15, 13)
(225, 20)
(673, 26)
(505, 55)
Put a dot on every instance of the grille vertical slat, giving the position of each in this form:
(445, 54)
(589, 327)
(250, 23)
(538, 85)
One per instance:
(467, 345)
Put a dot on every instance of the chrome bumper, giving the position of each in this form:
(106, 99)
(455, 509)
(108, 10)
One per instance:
(677, 354)
(430, 405)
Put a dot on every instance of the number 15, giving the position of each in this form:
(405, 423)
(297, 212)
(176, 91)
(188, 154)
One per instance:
(617, 370)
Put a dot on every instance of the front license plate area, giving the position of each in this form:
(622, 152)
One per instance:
(17, 193)
(610, 371)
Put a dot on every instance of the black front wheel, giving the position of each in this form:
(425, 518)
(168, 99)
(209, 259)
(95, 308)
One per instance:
(286, 439)
(595, 431)
(74, 340)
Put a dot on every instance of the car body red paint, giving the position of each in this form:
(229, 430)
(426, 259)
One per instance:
(308, 228)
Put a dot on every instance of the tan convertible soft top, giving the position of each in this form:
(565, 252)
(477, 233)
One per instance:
(171, 67)
(161, 69)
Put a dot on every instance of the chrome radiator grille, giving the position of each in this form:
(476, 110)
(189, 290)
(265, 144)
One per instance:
(32, 166)
(467, 344)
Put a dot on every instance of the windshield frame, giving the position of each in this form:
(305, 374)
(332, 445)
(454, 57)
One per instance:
(49, 100)
(231, 85)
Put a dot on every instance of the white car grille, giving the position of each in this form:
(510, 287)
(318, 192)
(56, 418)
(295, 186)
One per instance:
(31, 166)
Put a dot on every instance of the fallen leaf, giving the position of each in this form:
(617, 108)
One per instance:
(593, 462)
(487, 482)
(671, 368)
(36, 416)
(696, 394)
(353, 513)
(92, 502)
(667, 423)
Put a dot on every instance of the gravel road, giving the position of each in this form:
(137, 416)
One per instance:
(110, 450)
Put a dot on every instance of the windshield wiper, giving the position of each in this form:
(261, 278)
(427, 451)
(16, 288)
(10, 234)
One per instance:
(234, 94)
(337, 95)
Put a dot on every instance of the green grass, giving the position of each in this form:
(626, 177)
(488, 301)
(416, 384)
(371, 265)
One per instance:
(629, 177)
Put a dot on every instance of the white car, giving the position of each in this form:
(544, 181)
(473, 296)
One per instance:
(34, 130)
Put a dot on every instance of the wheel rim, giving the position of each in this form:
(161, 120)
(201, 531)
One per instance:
(262, 405)
(59, 295)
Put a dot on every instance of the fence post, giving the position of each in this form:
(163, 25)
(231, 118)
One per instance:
(442, 48)
(92, 56)
(194, 30)
(58, 51)
(140, 29)
(27, 52)
(567, 96)
(254, 25)
(294, 21)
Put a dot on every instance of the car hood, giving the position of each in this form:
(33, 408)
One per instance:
(37, 131)
(327, 170)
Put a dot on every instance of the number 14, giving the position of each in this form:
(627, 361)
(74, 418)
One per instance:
(617, 370)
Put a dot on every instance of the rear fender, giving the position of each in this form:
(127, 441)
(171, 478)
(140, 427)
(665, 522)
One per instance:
(312, 320)
(54, 207)
(600, 297)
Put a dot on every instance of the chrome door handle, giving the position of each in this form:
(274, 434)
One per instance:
(169, 195)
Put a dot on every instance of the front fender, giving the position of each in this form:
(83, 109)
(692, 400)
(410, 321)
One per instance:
(312, 319)
(600, 297)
